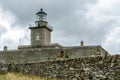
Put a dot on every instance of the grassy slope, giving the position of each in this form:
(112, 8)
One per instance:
(18, 76)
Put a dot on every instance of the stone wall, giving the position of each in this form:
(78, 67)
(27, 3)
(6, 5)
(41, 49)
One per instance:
(83, 68)
(41, 54)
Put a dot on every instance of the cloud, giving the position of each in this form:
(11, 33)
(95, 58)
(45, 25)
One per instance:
(112, 42)
(25, 10)
(2, 30)
(88, 25)
(10, 33)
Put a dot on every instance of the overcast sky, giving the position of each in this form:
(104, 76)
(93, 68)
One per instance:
(96, 22)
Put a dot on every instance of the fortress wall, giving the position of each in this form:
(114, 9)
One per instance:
(48, 54)
(28, 56)
(83, 68)
(85, 51)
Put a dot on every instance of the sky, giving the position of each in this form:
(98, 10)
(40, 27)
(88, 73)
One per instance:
(96, 22)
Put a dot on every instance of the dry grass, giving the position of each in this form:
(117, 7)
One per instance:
(2, 77)
(19, 76)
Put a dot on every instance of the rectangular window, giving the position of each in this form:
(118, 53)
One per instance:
(37, 37)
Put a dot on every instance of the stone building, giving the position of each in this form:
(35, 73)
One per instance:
(41, 48)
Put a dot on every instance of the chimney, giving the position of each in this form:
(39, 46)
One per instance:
(82, 43)
(5, 48)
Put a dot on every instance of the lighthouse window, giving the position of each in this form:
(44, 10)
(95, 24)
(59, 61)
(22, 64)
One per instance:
(37, 37)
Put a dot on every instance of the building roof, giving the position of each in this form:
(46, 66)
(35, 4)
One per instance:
(41, 12)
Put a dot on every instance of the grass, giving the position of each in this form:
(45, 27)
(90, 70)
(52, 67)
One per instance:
(19, 76)
(2, 77)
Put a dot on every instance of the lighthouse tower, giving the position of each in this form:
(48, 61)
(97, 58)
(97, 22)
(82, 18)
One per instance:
(41, 32)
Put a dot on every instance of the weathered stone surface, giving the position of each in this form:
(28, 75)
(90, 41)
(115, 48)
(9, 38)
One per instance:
(81, 63)
(41, 54)
(83, 68)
